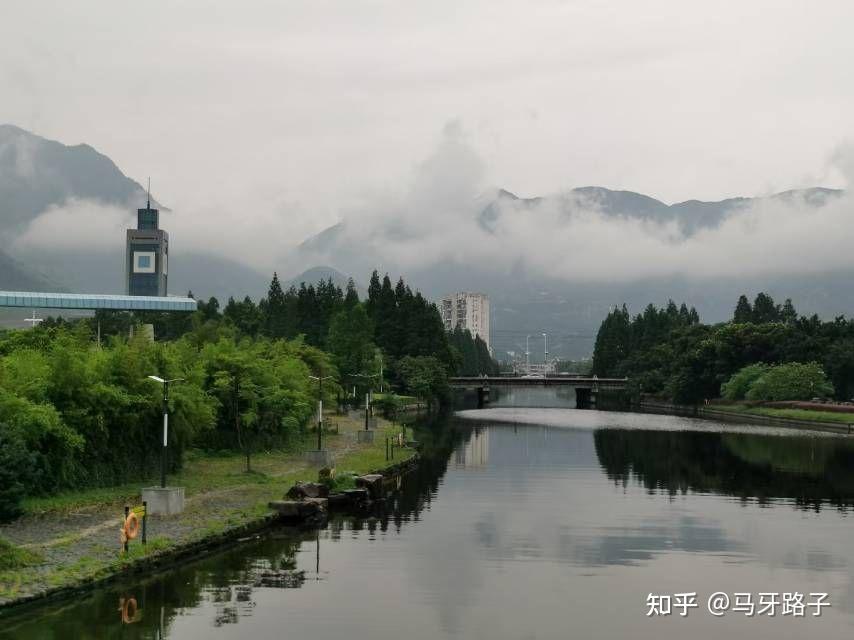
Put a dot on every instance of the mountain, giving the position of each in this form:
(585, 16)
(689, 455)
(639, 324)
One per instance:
(36, 173)
(689, 216)
(524, 302)
(316, 274)
(16, 277)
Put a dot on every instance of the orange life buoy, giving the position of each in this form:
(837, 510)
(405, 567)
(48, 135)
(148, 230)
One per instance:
(131, 526)
(128, 607)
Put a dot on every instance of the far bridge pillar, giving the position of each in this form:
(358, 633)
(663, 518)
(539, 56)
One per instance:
(482, 397)
(584, 398)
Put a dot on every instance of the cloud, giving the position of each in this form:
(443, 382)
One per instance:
(77, 224)
(437, 220)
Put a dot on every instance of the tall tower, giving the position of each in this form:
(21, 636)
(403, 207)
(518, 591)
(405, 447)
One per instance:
(147, 254)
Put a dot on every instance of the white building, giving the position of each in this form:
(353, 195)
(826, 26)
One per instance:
(467, 310)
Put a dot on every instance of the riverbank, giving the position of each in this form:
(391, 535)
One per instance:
(815, 420)
(72, 540)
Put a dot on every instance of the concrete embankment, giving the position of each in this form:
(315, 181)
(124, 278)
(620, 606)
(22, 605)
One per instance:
(720, 414)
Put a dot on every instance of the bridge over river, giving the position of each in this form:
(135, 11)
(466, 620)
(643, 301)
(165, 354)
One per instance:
(586, 387)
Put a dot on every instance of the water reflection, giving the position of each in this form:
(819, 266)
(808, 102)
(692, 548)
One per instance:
(509, 531)
(807, 470)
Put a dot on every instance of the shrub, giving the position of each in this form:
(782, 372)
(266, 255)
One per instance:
(794, 381)
(17, 473)
(739, 384)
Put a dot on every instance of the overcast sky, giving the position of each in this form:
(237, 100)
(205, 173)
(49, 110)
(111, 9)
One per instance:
(288, 113)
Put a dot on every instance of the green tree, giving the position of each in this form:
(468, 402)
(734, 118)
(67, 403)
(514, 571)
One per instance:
(275, 310)
(737, 387)
(18, 472)
(764, 309)
(743, 311)
(351, 340)
(793, 381)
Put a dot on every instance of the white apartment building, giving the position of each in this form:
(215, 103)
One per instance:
(468, 311)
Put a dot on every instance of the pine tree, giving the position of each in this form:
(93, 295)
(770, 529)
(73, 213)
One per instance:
(385, 318)
(374, 289)
(275, 310)
(788, 313)
(764, 309)
(743, 311)
(351, 297)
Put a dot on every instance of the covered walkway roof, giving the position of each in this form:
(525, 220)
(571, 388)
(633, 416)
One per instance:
(38, 300)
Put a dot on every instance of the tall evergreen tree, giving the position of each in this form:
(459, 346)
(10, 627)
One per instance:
(374, 289)
(351, 296)
(788, 313)
(743, 311)
(275, 310)
(764, 309)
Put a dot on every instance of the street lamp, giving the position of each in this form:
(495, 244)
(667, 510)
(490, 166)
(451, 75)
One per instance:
(546, 356)
(527, 354)
(319, 406)
(165, 384)
(368, 394)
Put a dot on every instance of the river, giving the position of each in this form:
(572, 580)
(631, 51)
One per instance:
(531, 523)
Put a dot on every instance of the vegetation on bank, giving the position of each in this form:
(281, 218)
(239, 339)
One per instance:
(78, 409)
(764, 382)
(792, 414)
(220, 497)
(668, 352)
(12, 557)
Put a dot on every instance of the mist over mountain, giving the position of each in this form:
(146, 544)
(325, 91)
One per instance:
(554, 263)
(36, 173)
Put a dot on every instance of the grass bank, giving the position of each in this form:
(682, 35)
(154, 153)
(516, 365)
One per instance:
(71, 540)
(791, 414)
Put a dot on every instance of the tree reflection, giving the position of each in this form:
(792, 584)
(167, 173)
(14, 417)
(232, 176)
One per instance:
(809, 471)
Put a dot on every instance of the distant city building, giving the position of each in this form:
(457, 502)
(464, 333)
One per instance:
(467, 311)
(147, 255)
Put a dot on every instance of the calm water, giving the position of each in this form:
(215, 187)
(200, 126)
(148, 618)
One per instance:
(556, 526)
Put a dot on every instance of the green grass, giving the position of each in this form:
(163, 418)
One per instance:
(202, 471)
(12, 557)
(205, 471)
(794, 414)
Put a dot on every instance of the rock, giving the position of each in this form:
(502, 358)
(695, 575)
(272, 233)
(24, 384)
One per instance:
(286, 508)
(338, 500)
(303, 490)
(357, 496)
(373, 483)
(322, 504)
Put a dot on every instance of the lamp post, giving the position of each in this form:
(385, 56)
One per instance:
(368, 394)
(546, 351)
(165, 384)
(527, 354)
(320, 380)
